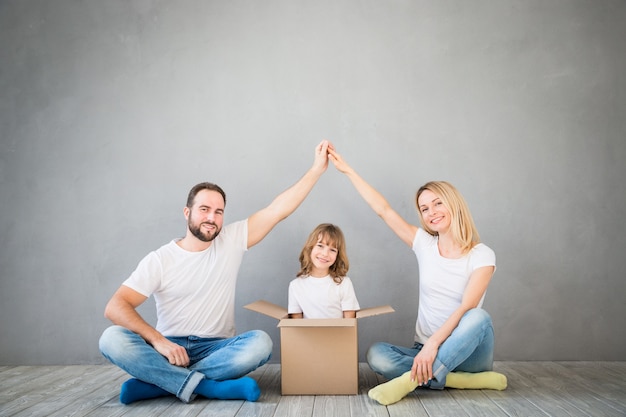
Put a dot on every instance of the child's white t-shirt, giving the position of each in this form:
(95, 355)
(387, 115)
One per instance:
(321, 298)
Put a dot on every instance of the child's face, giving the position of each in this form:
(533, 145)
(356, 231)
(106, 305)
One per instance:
(323, 256)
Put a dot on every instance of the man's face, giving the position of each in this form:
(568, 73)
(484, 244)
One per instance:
(206, 217)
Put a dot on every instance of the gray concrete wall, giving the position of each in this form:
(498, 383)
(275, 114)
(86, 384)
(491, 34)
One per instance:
(111, 110)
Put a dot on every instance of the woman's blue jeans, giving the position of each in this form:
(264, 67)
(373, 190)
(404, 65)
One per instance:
(469, 349)
(211, 358)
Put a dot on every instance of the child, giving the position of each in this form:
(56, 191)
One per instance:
(322, 289)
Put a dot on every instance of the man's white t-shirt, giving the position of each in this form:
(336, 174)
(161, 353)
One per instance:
(442, 281)
(321, 298)
(194, 291)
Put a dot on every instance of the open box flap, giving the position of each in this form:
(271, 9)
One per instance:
(374, 311)
(267, 308)
(317, 323)
(279, 312)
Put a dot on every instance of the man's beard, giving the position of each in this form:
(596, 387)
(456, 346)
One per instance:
(196, 230)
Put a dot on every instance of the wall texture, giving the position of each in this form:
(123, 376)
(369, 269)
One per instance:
(111, 110)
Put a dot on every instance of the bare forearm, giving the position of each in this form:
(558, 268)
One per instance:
(289, 200)
(371, 196)
(446, 329)
(123, 314)
(261, 222)
(453, 321)
(376, 201)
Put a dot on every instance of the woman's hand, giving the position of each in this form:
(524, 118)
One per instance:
(341, 165)
(422, 369)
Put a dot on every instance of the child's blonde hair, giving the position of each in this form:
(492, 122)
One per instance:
(333, 236)
(461, 223)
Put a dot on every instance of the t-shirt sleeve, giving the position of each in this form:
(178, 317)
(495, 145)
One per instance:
(293, 307)
(483, 256)
(348, 296)
(239, 232)
(422, 239)
(146, 278)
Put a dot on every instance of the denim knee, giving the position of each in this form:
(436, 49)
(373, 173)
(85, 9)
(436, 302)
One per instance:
(263, 343)
(116, 342)
(377, 358)
(258, 349)
(108, 340)
(477, 317)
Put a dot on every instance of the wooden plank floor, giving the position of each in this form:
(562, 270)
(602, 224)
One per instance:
(535, 389)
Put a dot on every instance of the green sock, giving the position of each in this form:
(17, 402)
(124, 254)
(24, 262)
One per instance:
(393, 390)
(478, 380)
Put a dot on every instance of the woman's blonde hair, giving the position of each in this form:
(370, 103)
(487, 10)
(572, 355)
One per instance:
(333, 236)
(461, 223)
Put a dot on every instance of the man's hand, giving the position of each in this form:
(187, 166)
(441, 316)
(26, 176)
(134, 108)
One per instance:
(175, 354)
(321, 155)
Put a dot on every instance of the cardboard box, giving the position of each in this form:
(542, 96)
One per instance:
(318, 356)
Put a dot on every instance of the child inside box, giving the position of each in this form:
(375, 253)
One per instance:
(322, 289)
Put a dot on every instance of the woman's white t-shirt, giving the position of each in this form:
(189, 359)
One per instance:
(442, 281)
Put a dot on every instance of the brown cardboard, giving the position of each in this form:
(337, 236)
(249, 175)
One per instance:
(318, 356)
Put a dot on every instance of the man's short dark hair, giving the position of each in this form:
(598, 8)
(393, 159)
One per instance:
(204, 186)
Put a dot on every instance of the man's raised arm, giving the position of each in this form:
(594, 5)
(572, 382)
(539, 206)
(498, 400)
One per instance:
(263, 221)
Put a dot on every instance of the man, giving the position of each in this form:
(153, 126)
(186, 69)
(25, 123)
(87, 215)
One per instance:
(193, 350)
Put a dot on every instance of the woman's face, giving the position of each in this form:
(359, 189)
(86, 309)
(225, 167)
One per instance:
(434, 213)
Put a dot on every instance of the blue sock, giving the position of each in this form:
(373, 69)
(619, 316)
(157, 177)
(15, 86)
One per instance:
(244, 388)
(135, 390)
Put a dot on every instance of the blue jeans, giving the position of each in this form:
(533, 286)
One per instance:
(211, 358)
(469, 349)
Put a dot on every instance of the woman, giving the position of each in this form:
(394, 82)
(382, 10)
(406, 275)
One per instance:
(452, 332)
